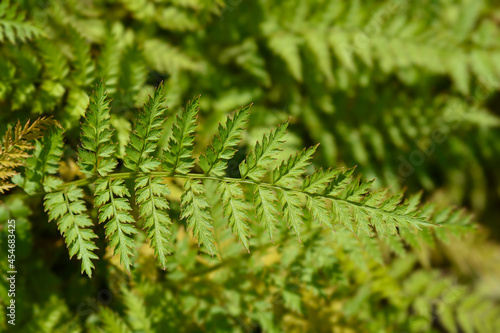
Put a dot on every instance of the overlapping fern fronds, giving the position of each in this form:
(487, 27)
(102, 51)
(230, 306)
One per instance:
(12, 24)
(282, 198)
(15, 147)
(347, 48)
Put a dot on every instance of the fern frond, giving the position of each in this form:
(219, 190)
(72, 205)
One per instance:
(341, 178)
(235, 211)
(96, 153)
(223, 147)
(153, 208)
(55, 64)
(80, 76)
(47, 154)
(258, 161)
(178, 156)
(196, 210)
(83, 66)
(358, 208)
(144, 139)
(13, 26)
(5, 186)
(319, 211)
(287, 46)
(108, 66)
(133, 76)
(292, 210)
(15, 146)
(266, 201)
(452, 222)
(112, 322)
(343, 214)
(330, 197)
(288, 172)
(43, 163)
(319, 180)
(317, 183)
(112, 200)
(168, 58)
(67, 207)
(138, 316)
(150, 191)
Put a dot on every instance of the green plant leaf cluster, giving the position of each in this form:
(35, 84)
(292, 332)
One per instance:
(332, 196)
(191, 220)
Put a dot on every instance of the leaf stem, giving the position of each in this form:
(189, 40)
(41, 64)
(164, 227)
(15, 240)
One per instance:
(163, 174)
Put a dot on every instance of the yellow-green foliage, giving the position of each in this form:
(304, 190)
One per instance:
(198, 219)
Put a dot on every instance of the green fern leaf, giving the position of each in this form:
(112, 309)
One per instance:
(319, 211)
(109, 60)
(113, 323)
(139, 318)
(67, 207)
(144, 139)
(15, 146)
(96, 153)
(153, 206)
(43, 162)
(133, 75)
(222, 149)
(196, 210)
(287, 46)
(395, 245)
(55, 65)
(178, 156)
(48, 152)
(332, 196)
(257, 162)
(372, 247)
(266, 201)
(150, 191)
(341, 179)
(83, 66)
(319, 180)
(343, 213)
(292, 211)
(13, 26)
(357, 208)
(235, 210)
(112, 200)
(288, 172)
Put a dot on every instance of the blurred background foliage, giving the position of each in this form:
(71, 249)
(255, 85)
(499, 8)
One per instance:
(405, 90)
